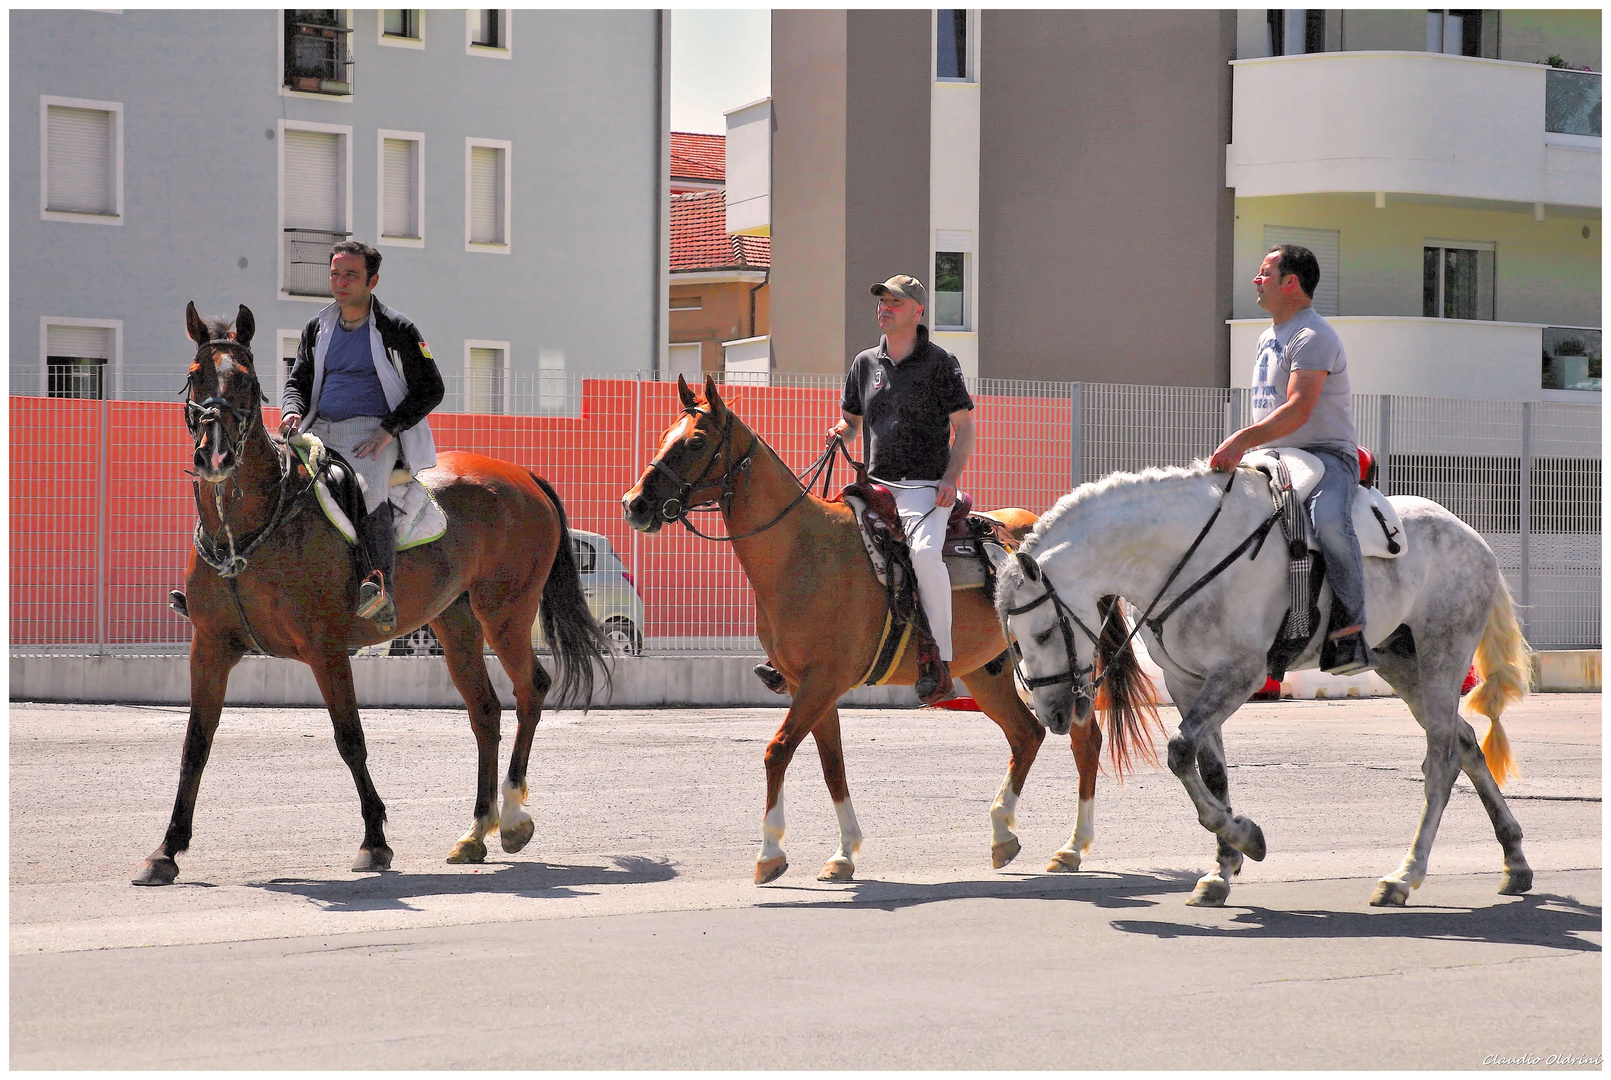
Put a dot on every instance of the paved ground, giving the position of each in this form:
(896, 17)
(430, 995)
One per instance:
(628, 935)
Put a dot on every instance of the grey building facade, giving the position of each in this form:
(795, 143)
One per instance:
(510, 167)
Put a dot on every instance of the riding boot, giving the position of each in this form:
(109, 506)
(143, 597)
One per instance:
(772, 678)
(376, 600)
(1347, 655)
(933, 674)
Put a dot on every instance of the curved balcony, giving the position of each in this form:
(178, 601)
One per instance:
(1420, 123)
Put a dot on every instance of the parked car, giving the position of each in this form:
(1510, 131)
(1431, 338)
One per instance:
(611, 596)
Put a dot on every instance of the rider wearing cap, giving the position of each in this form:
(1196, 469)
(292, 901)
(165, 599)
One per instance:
(1301, 398)
(363, 382)
(911, 394)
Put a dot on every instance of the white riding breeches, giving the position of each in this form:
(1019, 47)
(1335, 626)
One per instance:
(924, 524)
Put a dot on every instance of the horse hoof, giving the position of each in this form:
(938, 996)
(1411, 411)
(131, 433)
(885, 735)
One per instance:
(1390, 894)
(468, 850)
(1064, 862)
(516, 836)
(373, 860)
(1004, 853)
(837, 870)
(161, 870)
(1516, 883)
(1253, 846)
(1210, 892)
(770, 869)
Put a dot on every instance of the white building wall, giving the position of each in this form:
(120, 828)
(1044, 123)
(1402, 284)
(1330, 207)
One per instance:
(954, 191)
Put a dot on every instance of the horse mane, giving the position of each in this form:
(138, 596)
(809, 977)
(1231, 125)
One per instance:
(1127, 698)
(1074, 501)
(217, 329)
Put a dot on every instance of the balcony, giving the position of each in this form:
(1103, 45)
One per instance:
(1453, 358)
(1415, 123)
(316, 52)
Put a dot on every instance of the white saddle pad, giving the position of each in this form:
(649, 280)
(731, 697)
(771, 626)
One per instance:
(1306, 471)
(417, 518)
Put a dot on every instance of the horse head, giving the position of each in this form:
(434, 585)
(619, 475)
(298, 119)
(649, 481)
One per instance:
(694, 465)
(1055, 648)
(222, 393)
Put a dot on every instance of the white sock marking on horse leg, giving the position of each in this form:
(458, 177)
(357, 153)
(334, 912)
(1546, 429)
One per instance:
(772, 832)
(514, 804)
(1084, 826)
(1003, 813)
(849, 832)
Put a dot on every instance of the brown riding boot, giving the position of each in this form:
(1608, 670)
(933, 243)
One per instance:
(933, 674)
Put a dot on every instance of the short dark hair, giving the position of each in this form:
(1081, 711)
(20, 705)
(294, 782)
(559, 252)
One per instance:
(1299, 260)
(358, 247)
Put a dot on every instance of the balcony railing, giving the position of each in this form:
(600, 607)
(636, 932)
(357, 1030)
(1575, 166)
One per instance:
(316, 54)
(307, 260)
(1572, 102)
(1571, 358)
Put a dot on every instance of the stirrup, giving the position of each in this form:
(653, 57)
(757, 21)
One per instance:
(372, 595)
(176, 600)
(1348, 655)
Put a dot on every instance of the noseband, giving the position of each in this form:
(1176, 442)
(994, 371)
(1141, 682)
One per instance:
(677, 507)
(1075, 676)
(199, 415)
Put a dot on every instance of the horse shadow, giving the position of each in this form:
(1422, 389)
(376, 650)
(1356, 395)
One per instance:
(1099, 889)
(1544, 919)
(391, 890)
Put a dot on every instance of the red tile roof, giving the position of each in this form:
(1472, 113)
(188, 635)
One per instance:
(698, 157)
(700, 240)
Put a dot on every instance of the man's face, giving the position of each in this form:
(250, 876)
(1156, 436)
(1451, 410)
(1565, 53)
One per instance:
(350, 282)
(898, 313)
(1268, 285)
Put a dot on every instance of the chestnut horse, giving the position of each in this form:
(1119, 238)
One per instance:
(292, 588)
(819, 612)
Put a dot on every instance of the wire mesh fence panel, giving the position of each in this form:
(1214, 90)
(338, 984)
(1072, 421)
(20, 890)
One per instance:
(1131, 428)
(57, 525)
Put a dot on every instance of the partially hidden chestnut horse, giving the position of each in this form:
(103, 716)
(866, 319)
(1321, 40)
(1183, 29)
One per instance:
(507, 548)
(819, 612)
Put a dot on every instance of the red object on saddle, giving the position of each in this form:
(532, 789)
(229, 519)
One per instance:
(1367, 468)
(1471, 681)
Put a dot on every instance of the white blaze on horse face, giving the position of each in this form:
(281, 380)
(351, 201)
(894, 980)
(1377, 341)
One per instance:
(772, 832)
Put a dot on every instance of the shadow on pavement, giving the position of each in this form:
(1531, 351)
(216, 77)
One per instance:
(1103, 890)
(1554, 922)
(392, 890)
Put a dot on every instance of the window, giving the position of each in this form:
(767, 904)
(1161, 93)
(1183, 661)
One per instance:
(1295, 31)
(77, 355)
(81, 160)
(686, 303)
(316, 54)
(1457, 280)
(486, 207)
(487, 31)
(1571, 359)
(402, 188)
(950, 293)
(486, 374)
(316, 204)
(405, 27)
(1327, 245)
(1458, 33)
(1572, 102)
(951, 44)
(683, 358)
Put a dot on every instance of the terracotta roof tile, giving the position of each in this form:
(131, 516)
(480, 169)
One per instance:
(700, 240)
(698, 157)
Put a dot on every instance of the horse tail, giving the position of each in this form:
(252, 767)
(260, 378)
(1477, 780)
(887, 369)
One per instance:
(1504, 664)
(1127, 699)
(574, 636)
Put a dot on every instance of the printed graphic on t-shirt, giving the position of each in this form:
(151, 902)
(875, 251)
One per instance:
(1266, 398)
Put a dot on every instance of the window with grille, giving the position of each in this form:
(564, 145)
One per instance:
(81, 174)
(317, 58)
(487, 209)
(484, 376)
(314, 193)
(76, 359)
(401, 186)
(1457, 281)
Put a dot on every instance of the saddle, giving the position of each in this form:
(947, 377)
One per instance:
(417, 518)
(1294, 476)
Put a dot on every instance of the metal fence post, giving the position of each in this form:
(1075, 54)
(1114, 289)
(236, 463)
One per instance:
(1384, 452)
(1076, 399)
(1526, 509)
(101, 485)
(637, 456)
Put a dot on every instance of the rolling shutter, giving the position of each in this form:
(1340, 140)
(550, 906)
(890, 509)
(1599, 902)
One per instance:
(80, 161)
(1326, 244)
(486, 195)
(79, 342)
(486, 380)
(313, 195)
(401, 188)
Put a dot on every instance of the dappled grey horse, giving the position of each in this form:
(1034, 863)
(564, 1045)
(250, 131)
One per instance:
(1428, 611)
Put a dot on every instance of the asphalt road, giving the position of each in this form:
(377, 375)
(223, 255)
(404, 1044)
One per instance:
(628, 935)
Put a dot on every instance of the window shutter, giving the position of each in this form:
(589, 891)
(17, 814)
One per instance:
(313, 180)
(486, 195)
(402, 188)
(1327, 245)
(80, 161)
(486, 380)
(79, 342)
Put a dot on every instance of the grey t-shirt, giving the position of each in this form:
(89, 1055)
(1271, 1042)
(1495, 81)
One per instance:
(1306, 342)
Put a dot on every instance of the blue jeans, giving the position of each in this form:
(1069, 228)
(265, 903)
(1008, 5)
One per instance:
(1331, 514)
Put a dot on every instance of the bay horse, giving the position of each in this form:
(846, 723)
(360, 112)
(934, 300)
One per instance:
(505, 558)
(1427, 612)
(820, 611)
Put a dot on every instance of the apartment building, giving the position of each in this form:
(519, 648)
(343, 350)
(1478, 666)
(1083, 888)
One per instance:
(509, 165)
(1445, 168)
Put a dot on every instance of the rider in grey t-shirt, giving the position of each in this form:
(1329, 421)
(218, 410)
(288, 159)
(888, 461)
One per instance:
(1306, 342)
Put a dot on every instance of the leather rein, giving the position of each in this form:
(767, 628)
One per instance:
(678, 507)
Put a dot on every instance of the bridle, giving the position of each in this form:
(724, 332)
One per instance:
(200, 414)
(679, 506)
(1075, 676)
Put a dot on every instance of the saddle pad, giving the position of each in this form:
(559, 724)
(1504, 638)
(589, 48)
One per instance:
(417, 518)
(964, 567)
(1374, 535)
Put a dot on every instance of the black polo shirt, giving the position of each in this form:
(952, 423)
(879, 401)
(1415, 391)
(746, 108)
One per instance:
(906, 408)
